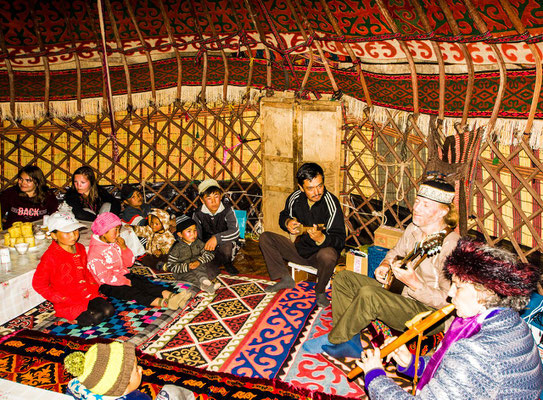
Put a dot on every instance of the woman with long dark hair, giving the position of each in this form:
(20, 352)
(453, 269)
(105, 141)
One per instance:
(87, 198)
(29, 200)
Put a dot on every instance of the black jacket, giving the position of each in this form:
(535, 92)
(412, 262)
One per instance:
(326, 211)
(223, 224)
(86, 212)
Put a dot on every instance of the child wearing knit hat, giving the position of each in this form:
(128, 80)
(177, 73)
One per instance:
(105, 370)
(109, 260)
(188, 260)
(111, 371)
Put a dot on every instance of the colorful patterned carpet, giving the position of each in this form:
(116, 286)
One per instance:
(35, 358)
(212, 328)
(241, 330)
(132, 322)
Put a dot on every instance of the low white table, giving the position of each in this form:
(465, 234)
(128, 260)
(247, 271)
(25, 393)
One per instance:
(17, 295)
(12, 390)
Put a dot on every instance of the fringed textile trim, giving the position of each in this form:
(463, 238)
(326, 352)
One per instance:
(96, 106)
(508, 131)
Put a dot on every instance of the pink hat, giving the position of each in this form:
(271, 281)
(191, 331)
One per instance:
(104, 222)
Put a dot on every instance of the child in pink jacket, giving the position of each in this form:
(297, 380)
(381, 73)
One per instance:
(109, 260)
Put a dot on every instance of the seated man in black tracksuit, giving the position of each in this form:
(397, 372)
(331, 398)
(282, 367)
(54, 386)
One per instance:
(307, 207)
(217, 227)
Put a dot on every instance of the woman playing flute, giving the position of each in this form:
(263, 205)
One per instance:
(488, 351)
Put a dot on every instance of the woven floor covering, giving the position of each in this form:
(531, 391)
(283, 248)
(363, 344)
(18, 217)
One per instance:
(132, 322)
(240, 330)
(35, 358)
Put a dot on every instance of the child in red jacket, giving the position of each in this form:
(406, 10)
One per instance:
(109, 260)
(62, 276)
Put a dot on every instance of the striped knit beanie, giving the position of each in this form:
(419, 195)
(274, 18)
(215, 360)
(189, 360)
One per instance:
(105, 369)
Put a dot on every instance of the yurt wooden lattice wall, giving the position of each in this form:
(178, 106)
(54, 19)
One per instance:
(384, 164)
(170, 149)
(167, 150)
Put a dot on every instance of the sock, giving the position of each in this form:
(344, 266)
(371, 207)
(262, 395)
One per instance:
(314, 346)
(352, 348)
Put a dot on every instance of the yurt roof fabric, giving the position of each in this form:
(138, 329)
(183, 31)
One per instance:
(411, 55)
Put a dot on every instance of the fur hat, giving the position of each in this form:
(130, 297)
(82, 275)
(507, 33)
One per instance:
(105, 368)
(104, 222)
(437, 190)
(184, 223)
(496, 269)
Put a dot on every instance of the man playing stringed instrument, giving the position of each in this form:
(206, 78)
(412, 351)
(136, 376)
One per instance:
(357, 299)
(304, 210)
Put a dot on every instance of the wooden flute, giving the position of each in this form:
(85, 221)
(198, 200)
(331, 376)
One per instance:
(417, 329)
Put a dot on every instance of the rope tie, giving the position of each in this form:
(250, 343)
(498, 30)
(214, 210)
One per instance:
(400, 193)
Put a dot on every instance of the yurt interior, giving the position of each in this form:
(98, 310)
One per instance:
(162, 95)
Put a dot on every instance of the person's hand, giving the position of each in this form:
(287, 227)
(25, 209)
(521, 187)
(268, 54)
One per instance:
(293, 226)
(194, 264)
(381, 272)
(401, 355)
(211, 244)
(316, 234)
(370, 360)
(407, 276)
(120, 241)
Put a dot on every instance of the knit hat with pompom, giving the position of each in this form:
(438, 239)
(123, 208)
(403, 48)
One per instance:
(105, 369)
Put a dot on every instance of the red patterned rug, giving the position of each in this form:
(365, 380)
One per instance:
(35, 358)
(241, 330)
(213, 326)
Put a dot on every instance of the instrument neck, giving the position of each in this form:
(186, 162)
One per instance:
(433, 228)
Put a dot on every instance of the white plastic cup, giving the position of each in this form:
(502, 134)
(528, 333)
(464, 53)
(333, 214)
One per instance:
(45, 220)
(21, 248)
(4, 256)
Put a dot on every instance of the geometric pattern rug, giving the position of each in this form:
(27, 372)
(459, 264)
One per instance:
(36, 359)
(211, 328)
(131, 322)
(241, 330)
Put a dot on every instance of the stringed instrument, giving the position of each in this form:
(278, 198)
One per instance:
(303, 229)
(429, 247)
(415, 329)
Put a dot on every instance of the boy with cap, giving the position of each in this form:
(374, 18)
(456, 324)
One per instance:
(135, 210)
(217, 226)
(62, 276)
(109, 260)
(188, 259)
(357, 299)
